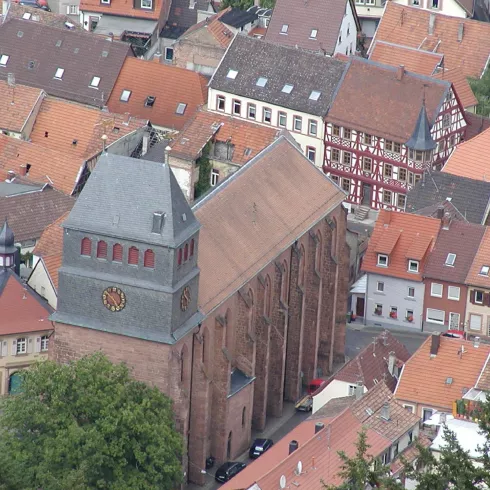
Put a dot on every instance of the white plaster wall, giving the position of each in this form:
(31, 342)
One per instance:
(335, 389)
(348, 40)
(448, 7)
(39, 279)
(184, 179)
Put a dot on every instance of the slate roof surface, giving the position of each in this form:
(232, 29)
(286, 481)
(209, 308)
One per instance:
(413, 230)
(252, 201)
(21, 315)
(372, 363)
(170, 85)
(124, 8)
(17, 11)
(306, 71)
(60, 123)
(481, 258)
(301, 18)
(182, 16)
(13, 116)
(462, 239)
(108, 188)
(470, 197)
(409, 26)
(247, 138)
(237, 18)
(462, 86)
(81, 55)
(29, 214)
(374, 83)
(476, 125)
(433, 390)
(416, 60)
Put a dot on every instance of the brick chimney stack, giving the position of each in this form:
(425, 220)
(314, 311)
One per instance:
(400, 71)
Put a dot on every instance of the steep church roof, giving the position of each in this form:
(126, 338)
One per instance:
(115, 202)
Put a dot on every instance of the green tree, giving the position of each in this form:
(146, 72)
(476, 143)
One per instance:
(245, 4)
(204, 182)
(87, 425)
(481, 89)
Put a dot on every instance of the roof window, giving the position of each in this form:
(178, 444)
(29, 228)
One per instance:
(313, 33)
(315, 95)
(261, 82)
(181, 109)
(59, 73)
(20, 34)
(232, 74)
(95, 82)
(76, 50)
(287, 89)
(4, 60)
(27, 16)
(105, 54)
(450, 259)
(284, 29)
(31, 65)
(485, 269)
(150, 100)
(125, 95)
(59, 42)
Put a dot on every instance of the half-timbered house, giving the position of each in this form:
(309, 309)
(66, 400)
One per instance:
(385, 128)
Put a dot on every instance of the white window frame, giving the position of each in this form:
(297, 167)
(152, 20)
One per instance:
(434, 294)
(431, 320)
(449, 320)
(284, 29)
(73, 10)
(422, 413)
(125, 95)
(382, 290)
(408, 292)
(312, 123)
(214, 178)
(146, 6)
(254, 107)
(95, 82)
(385, 257)
(236, 103)
(411, 407)
(450, 259)
(309, 151)
(407, 314)
(482, 296)
(484, 270)
(413, 263)
(453, 297)
(469, 322)
(21, 346)
(297, 119)
(44, 343)
(351, 390)
(314, 34)
(59, 73)
(282, 116)
(4, 59)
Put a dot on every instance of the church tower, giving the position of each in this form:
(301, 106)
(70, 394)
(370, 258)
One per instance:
(8, 250)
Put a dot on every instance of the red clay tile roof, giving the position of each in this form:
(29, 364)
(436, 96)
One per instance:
(462, 86)
(258, 32)
(51, 241)
(52, 264)
(374, 84)
(416, 60)
(483, 382)
(252, 200)
(409, 26)
(22, 310)
(409, 454)
(325, 16)
(482, 257)
(60, 123)
(423, 379)
(13, 116)
(221, 33)
(247, 138)
(169, 84)
(413, 229)
(390, 239)
(125, 8)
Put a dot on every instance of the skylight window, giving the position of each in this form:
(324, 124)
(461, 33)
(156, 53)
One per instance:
(261, 82)
(284, 29)
(450, 259)
(313, 33)
(485, 269)
(59, 42)
(125, 95)
(232, 74)
(287, 89)
(4, 60)
(59, 73)
(315, 95)
(26, 16)
(181, 108)
(95, 82)
(150, 101)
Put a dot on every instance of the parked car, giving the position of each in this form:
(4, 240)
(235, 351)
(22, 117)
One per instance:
(228, 470)
(37, 4)
(454, 334)
(259, 447)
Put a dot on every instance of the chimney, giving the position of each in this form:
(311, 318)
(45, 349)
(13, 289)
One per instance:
(440, 212)
(460, 31)
(144, 147)
(166, 157)
(23, 170)
(476, 342)
(387, 217)
(442, 418)
(359, 390)
(127, 117)
(400, 71)
(446, 221)
(11, 175)
(111, 36)
(432, 23)
(434, 344)
(318, 427)
(158, 222)
(293, 445)
(157, 57)
(391, 363)
(385, 411)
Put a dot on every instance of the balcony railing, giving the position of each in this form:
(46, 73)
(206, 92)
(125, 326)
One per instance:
(466, 409)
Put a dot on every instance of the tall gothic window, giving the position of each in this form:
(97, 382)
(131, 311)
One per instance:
(133, 256)
(102, 250)
(117, 252)
(149, 259)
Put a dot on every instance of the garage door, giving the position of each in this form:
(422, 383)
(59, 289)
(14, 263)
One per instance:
(475, 322)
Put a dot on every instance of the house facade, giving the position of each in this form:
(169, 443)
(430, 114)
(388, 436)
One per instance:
(250, 84)
(369, 13)
(454, 8)
(377, 160)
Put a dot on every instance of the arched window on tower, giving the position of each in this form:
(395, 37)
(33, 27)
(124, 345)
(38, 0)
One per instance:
(133, 256)
(186, 252)
(318, 251)
(334, 238)
(86, 248)
(117, 252)
(179, 255)
(149, 259)
(191, 251)
(267, 297)
(302, 266)
(284, 282)
(102, 250)
(244, 416)
(251, 311)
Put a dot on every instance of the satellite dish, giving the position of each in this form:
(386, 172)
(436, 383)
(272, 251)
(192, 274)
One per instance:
(282, 481)
(299, 468)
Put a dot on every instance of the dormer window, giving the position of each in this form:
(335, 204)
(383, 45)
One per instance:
(313, 33)
(125, 95)
(450, 259)
(382, 260)
(4, 60)
(181, 109)
(59, 73)
(261, 82)
(95, 82)
(413, 266)
(150, 100)
(284, 29)
(315, 95)
(485, 269)
(287, 89)
(232, 74)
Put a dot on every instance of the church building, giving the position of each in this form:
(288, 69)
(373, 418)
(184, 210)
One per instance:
(229, 307)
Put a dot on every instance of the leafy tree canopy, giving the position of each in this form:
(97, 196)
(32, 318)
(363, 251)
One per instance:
(481, 89)
(87, 425)
(245, 4)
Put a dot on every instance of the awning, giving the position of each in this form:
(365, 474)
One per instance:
(118, 26)
(359, 287)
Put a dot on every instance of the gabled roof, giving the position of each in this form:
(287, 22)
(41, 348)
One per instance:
(126, 9)
(16, 105)
(306, 72)
(246, 139)
(18, 11)
(469, 197)
(462, 87)
(370, 366)
(301, 18)
(437, 381)
(37, 51)
(412, 229)
(409, 26)
(181, 17)
(481, 258)
(375, 83)
(116, 196)
(413, 59)
(169, 85)
(76, 130)
(29, 214)
(248, 216)
(470, 158)
(461, 239)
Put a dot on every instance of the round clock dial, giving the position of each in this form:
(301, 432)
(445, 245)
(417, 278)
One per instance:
(185, 299)
(114, 299)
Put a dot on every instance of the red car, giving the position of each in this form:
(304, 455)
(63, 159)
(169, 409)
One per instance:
(454, 334)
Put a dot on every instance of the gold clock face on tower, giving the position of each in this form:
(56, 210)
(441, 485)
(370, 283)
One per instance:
(114, 299)
(185, 299)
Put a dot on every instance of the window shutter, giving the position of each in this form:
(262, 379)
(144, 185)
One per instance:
(14, 347)
(149, 260)
(38, 344)
(117, 253)
(133, 256)
(86, 248)
(102, 250)
(4, 348)
(29, 345)
(472, 296)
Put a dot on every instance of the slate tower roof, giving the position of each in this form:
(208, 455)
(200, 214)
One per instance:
(7, 239)
(421, 138)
